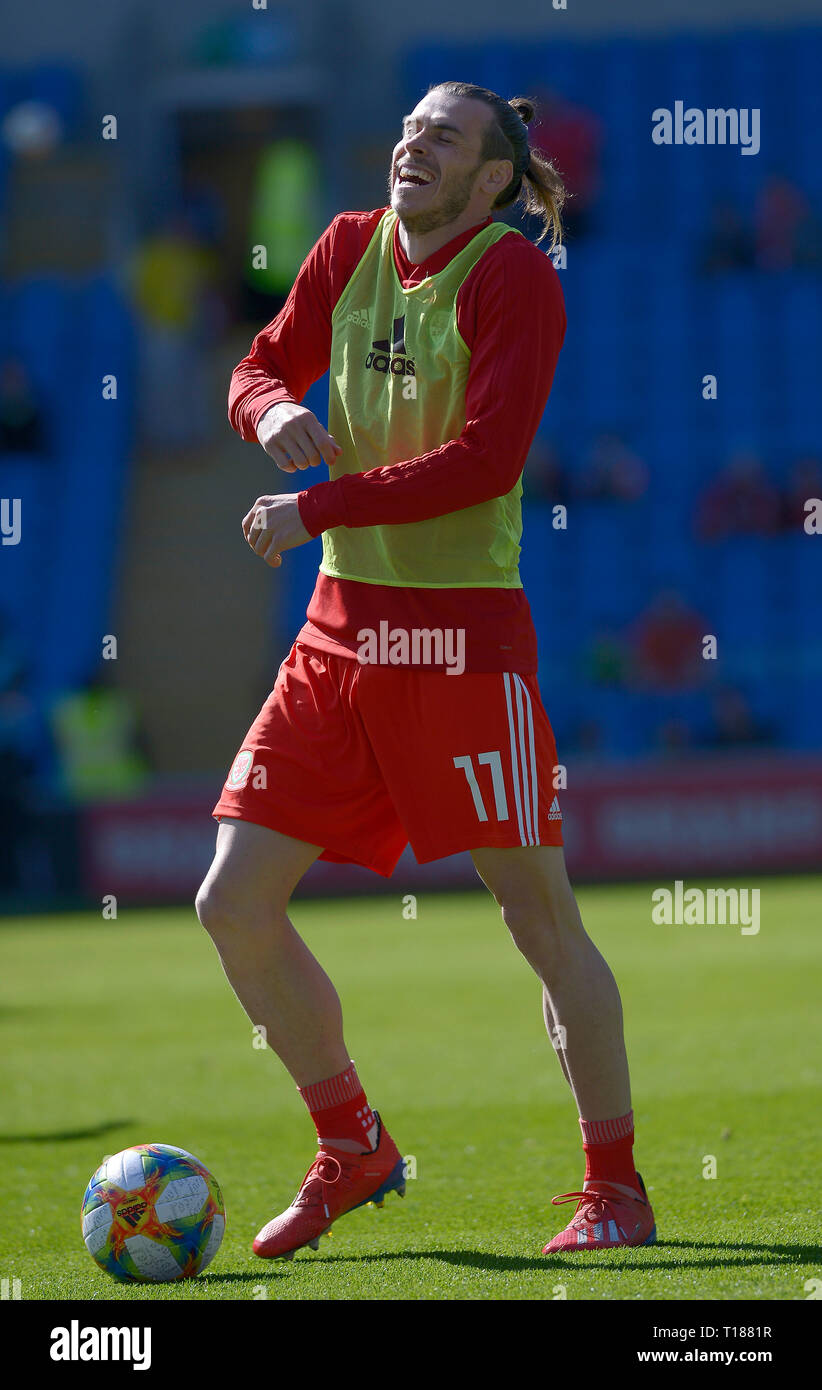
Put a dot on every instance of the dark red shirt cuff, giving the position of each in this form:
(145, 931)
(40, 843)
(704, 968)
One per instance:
(323, 506)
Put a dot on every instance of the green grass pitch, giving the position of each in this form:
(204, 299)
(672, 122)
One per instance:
(122, 1032)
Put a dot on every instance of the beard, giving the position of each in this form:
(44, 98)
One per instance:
(454, 198)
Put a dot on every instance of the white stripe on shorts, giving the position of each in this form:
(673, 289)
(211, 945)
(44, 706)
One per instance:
(523, 762)
(523, 758)
(514, 762)
(534, 785)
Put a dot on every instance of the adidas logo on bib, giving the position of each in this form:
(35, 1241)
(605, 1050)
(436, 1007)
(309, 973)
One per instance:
(390, 357)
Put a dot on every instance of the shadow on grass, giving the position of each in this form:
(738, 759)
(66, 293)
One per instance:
(61, 1136)
(718, 1255)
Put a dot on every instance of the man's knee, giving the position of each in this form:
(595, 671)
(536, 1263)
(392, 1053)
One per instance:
(546, 919)
(532, 890)
(214, 907)
(526, 916)
(205, 905)
(251, 879)
(229, 908)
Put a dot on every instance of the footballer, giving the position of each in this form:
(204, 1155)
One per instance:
(440, 329)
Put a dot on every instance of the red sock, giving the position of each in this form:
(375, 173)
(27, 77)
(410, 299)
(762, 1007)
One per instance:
(339, 1109)
(608, 1146)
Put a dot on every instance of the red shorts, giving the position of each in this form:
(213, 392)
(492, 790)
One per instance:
(362, 759)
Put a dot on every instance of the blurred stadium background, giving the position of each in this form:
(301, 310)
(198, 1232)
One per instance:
(129, 296)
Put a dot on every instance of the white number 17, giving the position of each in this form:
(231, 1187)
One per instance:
(494, 761)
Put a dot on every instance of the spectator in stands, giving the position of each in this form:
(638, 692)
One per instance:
(173, 279)
(544, 478)
(729, 244)
(734, 724)
(99, 741)
(741, 501)
(572, 137)
(787, 232)
(612, 471)
(21, 419)
(667, 644)
(805, 481)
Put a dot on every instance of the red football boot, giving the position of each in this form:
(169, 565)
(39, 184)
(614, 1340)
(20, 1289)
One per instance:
(606, 1217)
(335, 1183)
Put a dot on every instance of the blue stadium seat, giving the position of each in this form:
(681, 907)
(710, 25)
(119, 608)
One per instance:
(60, 87)
(807, 730)
(40, 331)
(69, 337)
(26, 566)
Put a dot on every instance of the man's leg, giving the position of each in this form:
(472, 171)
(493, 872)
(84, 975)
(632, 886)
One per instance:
(583, 1015)
(582, 1008)
(242, 905)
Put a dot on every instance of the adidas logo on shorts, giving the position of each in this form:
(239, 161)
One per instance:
(555, 813)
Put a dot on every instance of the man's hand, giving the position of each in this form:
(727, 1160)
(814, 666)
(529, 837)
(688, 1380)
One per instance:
(274, 525)
(294, 438)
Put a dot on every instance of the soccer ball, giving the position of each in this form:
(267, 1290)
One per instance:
(153, 1213)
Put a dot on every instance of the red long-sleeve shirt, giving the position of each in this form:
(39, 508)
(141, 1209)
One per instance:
(511, 314)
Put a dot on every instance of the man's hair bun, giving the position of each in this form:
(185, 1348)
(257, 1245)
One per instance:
(524, 108)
